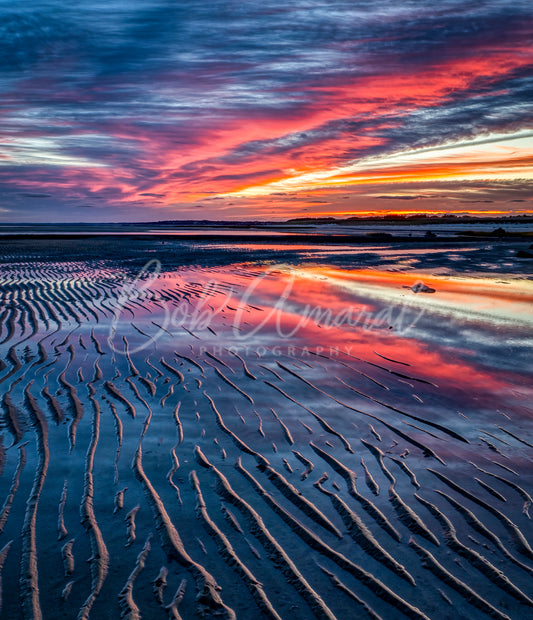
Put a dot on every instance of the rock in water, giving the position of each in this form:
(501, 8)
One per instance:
(420, 287)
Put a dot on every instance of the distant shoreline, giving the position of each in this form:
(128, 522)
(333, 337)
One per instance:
(339, 232)
(288, 225)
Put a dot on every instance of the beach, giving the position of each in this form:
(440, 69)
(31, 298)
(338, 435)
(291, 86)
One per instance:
(266, 426)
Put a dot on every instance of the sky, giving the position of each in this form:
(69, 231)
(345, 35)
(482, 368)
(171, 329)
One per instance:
(114, 111)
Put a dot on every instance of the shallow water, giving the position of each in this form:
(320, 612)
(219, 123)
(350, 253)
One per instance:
(263, 431)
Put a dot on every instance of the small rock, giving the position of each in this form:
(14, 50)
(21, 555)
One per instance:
(420, 287)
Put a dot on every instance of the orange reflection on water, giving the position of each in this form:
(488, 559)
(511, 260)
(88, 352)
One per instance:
(368, 314)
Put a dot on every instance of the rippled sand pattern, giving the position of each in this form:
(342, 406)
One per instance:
(180, 450)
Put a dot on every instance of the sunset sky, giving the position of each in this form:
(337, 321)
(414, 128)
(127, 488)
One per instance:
(144, 110)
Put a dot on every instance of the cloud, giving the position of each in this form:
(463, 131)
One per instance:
(405, 197)
(182, 101)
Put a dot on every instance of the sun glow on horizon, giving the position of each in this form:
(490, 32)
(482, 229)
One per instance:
(500, 157)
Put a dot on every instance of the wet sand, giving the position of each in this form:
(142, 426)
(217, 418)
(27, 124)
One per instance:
(265, 430)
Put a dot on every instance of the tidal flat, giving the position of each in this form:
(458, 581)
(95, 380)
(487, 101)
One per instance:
(198, 428)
